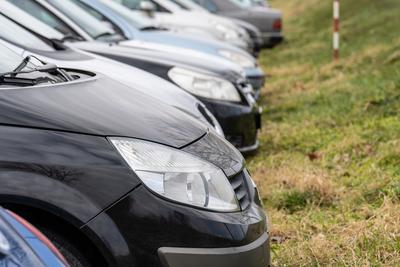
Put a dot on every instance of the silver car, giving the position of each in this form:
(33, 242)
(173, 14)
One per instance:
(267, 20)
(252, 30)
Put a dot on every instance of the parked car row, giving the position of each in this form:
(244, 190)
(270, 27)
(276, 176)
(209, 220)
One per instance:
(123, 125)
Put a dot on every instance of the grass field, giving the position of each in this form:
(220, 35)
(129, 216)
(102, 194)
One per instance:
(329, 164)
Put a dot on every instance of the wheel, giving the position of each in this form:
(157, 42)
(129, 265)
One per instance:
(74, 256)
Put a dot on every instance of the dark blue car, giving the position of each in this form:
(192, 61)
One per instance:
(22, 245)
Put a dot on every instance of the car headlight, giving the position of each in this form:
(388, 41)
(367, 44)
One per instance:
(227, 32)
(204, 85)
(242, 60)
(177, 175)
(243, 33)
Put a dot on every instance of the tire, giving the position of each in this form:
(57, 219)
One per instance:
(74, 256)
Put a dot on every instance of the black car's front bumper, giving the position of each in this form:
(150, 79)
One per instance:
(256, 77)
(272, 39)
(240, 122)
(143, 229)
(255, 254)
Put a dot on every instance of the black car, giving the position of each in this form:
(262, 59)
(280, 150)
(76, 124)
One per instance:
(113, 183)
(234, 108)
(238, 114)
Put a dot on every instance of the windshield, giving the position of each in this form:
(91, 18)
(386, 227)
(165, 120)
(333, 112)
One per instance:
(169, 5)
(14, 33)
(89, 24)
(9, 60)
(190, 5)
(209, 5)
(135, 20)
(178, 3)
(31, 14)
(249, 3)
(165, 6)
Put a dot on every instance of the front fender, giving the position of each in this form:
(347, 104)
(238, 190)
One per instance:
(79, 174)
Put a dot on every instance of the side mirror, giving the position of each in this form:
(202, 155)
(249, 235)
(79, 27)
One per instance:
(148, 7)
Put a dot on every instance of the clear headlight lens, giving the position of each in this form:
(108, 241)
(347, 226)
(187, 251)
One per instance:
(204, 85)
(227, 32)
(178, 175)
(238, 58)
(244, 33)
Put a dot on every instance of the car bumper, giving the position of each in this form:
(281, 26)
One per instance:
(258, 45)
(272, 39)
(141, 225)
(256, 77)
(255, 254)
(246, 45)
(239, 122)
(136, 229)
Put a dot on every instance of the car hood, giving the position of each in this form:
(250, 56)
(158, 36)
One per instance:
(269, 12)
(207, 45)
(187, 19)
(166, 55)
(98, 106)
(135, 78)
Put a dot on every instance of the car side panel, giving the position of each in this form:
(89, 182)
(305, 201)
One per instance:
(78, 174)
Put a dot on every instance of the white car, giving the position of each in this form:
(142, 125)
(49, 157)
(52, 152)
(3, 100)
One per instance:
(170, 15)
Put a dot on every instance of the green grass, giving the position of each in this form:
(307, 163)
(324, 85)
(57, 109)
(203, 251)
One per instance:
(329, 164)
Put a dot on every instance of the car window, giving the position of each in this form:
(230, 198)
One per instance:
(82, 18)
(16, 34)
(191, 5)
(243, 3)
(131, 4)
(98, 16)
(135, 5)
(9, 60)
(210, 6)
(207, 4)
(160, 8)
(178, 3)
(135, 20)
(39, 12)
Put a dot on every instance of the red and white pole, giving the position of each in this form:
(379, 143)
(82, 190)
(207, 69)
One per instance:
(336, 23)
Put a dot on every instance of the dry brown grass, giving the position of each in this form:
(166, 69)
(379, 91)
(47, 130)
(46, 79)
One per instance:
(346, 243)
(329, 166)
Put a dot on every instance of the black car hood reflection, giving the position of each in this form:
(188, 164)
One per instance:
(98, 106)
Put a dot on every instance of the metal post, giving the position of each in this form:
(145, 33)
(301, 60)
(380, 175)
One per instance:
(336, 23)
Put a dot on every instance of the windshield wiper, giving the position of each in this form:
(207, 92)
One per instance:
(19, 69)
(46, 67)
(153, 28)
(113, 37)
(21, 66)
(70, 37)
(103, 34)
(24, 81)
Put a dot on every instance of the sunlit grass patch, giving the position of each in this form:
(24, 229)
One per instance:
(329, 164)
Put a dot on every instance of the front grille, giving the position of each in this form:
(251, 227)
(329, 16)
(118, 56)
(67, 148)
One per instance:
(236, 140)
(238, 182)
(256, 82)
